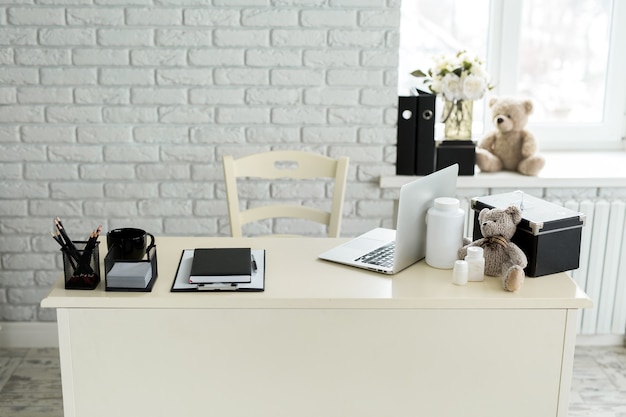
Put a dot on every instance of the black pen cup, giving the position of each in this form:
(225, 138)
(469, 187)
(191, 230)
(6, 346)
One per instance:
(81, 266)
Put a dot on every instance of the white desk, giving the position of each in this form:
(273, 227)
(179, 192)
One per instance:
(323, 340)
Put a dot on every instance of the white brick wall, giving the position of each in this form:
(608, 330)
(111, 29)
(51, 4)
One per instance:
(118, 113)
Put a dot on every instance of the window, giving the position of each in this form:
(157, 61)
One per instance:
(563, 54)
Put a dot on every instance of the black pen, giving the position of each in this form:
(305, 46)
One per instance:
(254, 266)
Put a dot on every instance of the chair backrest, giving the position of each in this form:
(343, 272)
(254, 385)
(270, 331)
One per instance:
(283, 165)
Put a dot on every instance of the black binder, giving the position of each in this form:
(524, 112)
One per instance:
(416, 134)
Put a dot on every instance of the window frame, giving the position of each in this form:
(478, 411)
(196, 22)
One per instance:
(609, 134)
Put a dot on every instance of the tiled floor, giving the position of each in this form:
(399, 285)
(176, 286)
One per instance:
(30, 382)
(599, 382)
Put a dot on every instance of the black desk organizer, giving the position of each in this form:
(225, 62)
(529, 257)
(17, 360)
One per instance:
(81, 277)
(462, 152)
(112, 257)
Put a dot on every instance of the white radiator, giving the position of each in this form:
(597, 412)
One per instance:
(602, 270)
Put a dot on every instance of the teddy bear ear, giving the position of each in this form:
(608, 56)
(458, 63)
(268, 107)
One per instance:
(515, 213)
(492, 101)
(528, 106)
(482, 214)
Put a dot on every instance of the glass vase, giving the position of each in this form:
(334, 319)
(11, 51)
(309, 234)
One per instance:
(457, 118)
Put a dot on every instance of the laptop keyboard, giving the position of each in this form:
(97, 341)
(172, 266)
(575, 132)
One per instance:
(382, 256)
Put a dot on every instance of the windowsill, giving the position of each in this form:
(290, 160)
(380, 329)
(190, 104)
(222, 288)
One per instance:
(563, 169)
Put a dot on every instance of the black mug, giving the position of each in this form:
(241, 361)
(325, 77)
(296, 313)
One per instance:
(132, 243)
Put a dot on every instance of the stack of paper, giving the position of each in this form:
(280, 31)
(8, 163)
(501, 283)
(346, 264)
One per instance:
(129, 275)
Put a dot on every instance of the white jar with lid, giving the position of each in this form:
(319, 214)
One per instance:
(444, 232)
(460, 273)
(475, 263)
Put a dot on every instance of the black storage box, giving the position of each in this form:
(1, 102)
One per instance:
(548, 234)
(462, 152)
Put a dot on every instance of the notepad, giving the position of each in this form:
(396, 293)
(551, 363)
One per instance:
(129, 275)
(221, 265)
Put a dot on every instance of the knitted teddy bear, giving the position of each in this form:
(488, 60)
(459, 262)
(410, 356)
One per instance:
(503, 258)
(510, 147)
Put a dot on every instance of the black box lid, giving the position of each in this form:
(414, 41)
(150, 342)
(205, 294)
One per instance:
(538, 216)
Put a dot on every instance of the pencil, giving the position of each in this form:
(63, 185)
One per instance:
(69, 244)
(57, 238)
(71, 257)
(84, 262)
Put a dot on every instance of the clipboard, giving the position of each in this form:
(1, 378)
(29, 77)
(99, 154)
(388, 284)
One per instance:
(181, 280)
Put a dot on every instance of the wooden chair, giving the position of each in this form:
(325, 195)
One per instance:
(294, 165)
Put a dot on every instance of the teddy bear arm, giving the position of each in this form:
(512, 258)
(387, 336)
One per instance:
(488, 141)
(529, 144)
(517, 256)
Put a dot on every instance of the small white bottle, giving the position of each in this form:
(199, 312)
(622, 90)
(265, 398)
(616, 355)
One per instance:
(460, 273)
(475, 263)
(444, 232)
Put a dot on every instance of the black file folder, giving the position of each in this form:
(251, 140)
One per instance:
(416, 134)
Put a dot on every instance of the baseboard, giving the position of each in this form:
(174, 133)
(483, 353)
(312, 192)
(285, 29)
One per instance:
(28, 334)
(601, 340)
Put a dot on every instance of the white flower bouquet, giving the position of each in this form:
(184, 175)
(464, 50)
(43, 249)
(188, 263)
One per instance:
(458, 77)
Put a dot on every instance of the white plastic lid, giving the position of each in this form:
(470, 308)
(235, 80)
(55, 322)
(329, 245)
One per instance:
(447, 203)
(474, 252)
(460, 266)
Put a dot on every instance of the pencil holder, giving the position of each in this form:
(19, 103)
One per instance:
(81, 266)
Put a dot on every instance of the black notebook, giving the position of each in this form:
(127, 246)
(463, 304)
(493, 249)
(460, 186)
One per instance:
(215, 265)
(181, 281)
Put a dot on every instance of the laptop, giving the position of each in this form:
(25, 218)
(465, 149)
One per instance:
(390, 251)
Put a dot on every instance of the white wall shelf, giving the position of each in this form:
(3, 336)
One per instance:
(563, 169)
